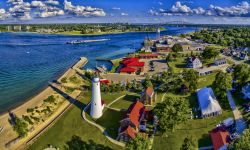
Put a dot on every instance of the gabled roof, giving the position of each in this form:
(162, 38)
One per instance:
(127, 69)
(149, 55)
(219, 139)
(135, 111)
(129, 131)
(132, 62)
(207, 101)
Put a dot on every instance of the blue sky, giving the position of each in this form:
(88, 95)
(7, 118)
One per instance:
(131, 11)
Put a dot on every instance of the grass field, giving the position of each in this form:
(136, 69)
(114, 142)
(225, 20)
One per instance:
(72, 124)
(126, 101)
(198, 128)
(116, 64)
(109, 97)
(178, 64)
(111, 121)
(206, 80)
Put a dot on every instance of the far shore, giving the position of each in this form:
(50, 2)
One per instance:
(79, 34)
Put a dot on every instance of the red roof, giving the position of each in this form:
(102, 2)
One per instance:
(130, 131)
(149, 55)
(135, 111)
(127, 69)
(129, 60)
(104, 81)
(149, 91)
(132, 62)
(219, 138)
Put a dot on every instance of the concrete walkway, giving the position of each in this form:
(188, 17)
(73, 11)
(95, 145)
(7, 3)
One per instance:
(240, 123)
(206, 148)
(100, 128)
(162, 99)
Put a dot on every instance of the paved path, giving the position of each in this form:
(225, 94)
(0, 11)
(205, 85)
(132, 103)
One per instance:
(163, 96)
(240, 123)
(100, 128)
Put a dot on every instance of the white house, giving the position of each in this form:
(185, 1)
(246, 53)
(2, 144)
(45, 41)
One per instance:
(208, 103)
(220, 61)
(194, 62)
(246, 91)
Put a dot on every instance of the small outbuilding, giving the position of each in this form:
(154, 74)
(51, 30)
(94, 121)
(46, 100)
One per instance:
(208, 103)
(220, 61)
(220, 139)
(148, 96)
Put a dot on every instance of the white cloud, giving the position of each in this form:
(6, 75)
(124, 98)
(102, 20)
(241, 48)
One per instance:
(116, 8)
(37, 4)
(242, 9)
(82, 10)
(45, 14)
(124, 14)
(52, 2)
(160, 3)
(3, 14)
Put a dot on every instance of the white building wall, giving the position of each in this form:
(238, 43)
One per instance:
(96, 101)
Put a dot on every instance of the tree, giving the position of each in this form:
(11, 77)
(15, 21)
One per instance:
(241, 73)
(21, 127)
(242, 143)
(177, 48)
(220, 85)
(147, 82)
(138, 143)
(210, 52)
(189, 143)
(171, 112)
(191, 77)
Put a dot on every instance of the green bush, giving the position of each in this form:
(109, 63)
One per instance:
(21, 127)
(50, 99)
(64, 80)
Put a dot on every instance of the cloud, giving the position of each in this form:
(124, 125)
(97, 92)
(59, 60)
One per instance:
(52, 2)
(82, 10)
(124, 14)
(160, 3)
(20, 9)
(45, 14)
(116, 8)
(240, 10)
(37, 4)
(3, 14)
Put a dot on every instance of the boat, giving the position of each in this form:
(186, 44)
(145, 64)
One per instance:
(86, 41)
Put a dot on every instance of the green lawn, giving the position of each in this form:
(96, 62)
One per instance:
(69, 125)
(206, 80)
(110, 97)
(159, 97)
(178, 64)
(116, 64)
(111, 121)
(126, 101)
(198, 128)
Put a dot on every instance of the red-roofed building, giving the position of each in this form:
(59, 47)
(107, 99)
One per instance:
(148, 55)
(104, 81)
(134, 116)
(148, 97)
(127, 133)
(131, 65)
(220, 139)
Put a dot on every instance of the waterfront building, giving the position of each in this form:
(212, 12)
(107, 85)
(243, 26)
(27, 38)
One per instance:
(208, 103)
(132, 65)
(163, 48)
(97, 104)
(194, 62)
(148, 55)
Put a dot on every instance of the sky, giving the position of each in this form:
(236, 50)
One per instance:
(125, 11)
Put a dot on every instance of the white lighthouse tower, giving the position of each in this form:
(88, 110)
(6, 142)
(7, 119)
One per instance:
(158, 34)
(96, 101)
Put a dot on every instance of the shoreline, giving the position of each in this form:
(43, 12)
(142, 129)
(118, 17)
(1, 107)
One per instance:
(8, 134)
(94, 34)
(40, 90)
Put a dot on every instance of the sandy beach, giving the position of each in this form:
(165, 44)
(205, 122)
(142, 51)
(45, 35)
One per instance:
(8, 134)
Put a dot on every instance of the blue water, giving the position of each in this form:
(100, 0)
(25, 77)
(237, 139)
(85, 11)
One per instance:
(29, 61)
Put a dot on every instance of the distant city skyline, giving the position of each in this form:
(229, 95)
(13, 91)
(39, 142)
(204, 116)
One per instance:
(125, 11)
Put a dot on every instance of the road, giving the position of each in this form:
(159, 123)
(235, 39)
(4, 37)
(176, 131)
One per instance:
(240, 123)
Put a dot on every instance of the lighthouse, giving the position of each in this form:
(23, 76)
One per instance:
(96, 101)
(158, 34)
